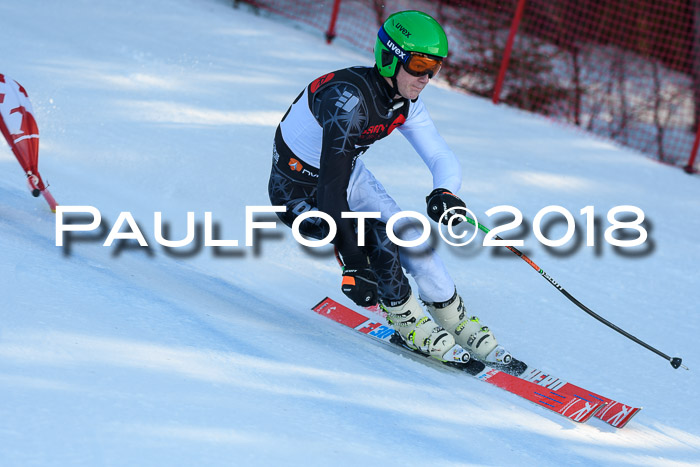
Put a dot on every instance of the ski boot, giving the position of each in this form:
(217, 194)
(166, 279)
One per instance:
(420, 332)
(468, 332)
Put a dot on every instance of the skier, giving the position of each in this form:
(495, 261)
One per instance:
(316, 167)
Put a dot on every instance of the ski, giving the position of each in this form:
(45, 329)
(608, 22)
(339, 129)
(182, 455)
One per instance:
(578, 406)
(615, 414)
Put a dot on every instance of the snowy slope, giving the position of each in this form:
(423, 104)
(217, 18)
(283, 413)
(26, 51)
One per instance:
(136, 356)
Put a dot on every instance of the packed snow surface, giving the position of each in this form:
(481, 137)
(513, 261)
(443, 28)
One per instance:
(203, 355)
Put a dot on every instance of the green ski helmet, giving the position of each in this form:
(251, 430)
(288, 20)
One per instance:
(404, 34)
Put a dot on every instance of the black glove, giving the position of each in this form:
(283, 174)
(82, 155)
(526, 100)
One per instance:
(441, 200)
(359, 281)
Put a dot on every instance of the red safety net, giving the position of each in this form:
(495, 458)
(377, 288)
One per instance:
(628, 70)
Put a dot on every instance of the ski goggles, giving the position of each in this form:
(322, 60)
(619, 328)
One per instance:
(415, 63)
(419, 64)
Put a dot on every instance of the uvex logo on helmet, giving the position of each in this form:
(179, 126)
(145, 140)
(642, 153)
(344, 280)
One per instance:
(396, 49)
(402, 29)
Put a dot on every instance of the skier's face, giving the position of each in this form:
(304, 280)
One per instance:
(410, 86)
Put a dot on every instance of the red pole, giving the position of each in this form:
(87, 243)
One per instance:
(509, 48)
(693, 153)
(330, 35)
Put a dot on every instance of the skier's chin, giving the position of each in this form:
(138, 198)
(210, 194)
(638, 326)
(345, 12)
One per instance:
(413, 93)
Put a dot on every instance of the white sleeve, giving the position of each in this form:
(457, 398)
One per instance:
(420, 131)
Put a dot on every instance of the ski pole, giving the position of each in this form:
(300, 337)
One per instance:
(675, 361)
